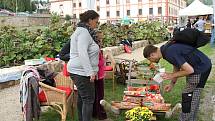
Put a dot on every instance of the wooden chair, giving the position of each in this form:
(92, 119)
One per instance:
(57, 98)
(110, 67)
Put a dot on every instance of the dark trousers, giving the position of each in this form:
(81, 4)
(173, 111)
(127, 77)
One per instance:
(191, 96)
(86, 96)
(98, 110)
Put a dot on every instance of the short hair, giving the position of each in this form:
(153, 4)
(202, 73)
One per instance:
(148, 50)
(87, 15)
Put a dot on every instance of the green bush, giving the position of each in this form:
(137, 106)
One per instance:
(153, 31)
(18, 45)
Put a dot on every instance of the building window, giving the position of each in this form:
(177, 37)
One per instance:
(74, 5)
(98, 8)
(117, 1)
(74, 15)
(159, 10)
(107, 2)
(172, 11)
(140, 12)
(127, 1)
(128, 13)
(80, 4)
(108, 13)
(117, 13)
(139, 0)
(61, 9)
(150, 10)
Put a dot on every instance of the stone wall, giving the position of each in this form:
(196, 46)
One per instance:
(9, 84)
(117, 50)
(22, 21)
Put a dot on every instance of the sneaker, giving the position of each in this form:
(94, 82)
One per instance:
(173, 111)
(107, 106)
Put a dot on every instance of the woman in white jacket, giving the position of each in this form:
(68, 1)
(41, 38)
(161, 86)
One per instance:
(83, 63)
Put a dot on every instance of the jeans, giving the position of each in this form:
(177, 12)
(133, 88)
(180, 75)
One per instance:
(86, 96)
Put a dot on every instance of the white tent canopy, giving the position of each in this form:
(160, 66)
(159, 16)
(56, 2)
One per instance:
(196, 8)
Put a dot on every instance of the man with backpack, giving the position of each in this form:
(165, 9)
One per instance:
(187, 61)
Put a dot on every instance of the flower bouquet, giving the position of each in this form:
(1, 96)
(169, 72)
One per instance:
(139, 114)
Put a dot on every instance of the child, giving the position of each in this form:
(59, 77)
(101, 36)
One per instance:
(98, 110)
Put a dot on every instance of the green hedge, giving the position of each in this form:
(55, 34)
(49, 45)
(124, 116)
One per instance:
(17, 45)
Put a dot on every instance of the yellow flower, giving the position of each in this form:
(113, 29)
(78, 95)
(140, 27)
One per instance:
(139, 114)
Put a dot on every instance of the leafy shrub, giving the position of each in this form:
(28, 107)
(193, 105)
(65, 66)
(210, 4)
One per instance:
(153, 31)
(18, 45)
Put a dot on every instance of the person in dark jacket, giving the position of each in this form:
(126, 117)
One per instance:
(187, 61)
(189, 25)
(64, 53)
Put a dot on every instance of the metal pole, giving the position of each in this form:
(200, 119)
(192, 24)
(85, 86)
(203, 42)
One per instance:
(4, 4)
(123, 9)
(90, 4)
(16, 7)
(30, 7)
(213, 9)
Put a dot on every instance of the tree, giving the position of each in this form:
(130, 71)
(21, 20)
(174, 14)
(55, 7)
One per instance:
(207, 2)
(20, 5)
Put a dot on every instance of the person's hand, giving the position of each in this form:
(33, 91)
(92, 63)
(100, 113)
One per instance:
(168, 87)
(92, 78)
(167, 76)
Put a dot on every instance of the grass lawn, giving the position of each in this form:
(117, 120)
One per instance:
(172, 97)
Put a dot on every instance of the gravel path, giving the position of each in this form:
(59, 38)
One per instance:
(135, 54)
(207, 105)
(10, 109)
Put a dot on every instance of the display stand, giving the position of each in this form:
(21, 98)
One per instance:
(140, 91)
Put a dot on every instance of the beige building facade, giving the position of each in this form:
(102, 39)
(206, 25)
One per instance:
(116, 10)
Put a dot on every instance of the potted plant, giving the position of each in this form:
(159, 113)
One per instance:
(139, 114)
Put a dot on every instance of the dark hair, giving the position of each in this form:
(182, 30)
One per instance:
(149, 49)
(87, 15)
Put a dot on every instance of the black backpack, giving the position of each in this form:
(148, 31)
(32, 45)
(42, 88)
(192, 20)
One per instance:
(192, 37)
(188, 36)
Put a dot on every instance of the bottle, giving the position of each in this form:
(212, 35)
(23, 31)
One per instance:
(158, 77)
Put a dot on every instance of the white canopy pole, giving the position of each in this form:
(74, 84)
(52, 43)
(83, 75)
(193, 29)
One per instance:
(213, 10)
